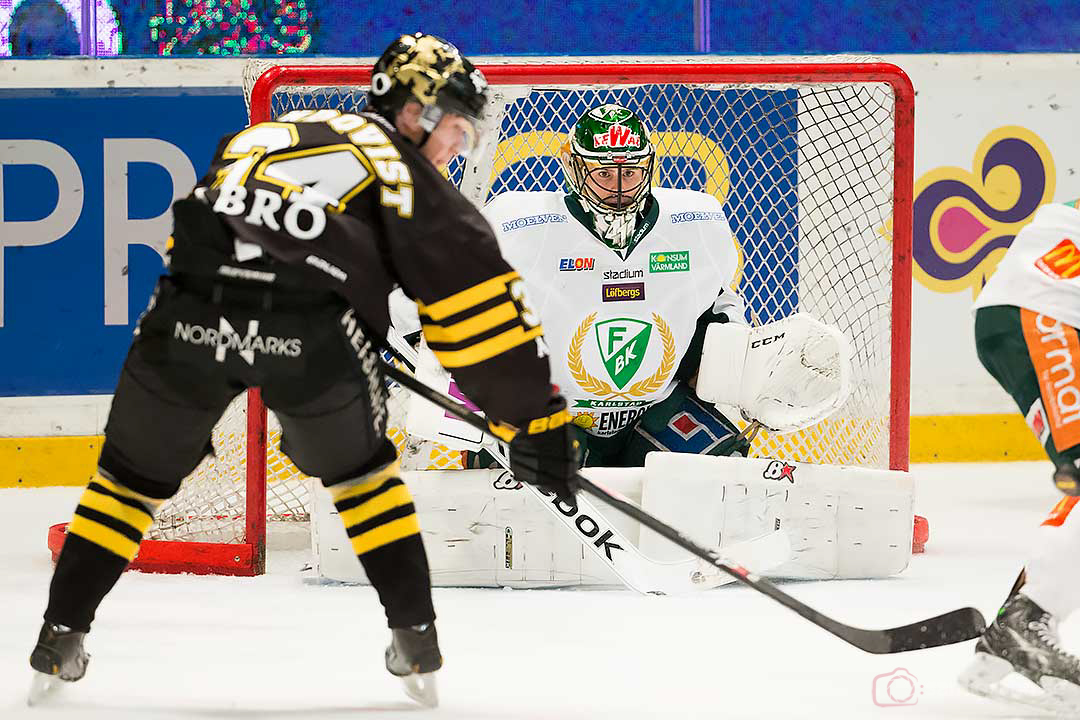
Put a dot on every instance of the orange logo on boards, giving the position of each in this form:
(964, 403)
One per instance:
(1063, 262)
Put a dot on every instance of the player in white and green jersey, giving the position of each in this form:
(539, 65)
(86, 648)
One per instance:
(1026, 334)
(626, 277)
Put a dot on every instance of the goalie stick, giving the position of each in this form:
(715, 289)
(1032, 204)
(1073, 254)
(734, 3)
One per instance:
(946, 629)
(614, 550)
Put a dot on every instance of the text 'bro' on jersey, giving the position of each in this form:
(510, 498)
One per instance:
(618, 322)
(342, 201)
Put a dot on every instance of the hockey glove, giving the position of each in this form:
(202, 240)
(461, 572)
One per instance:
(544, 452)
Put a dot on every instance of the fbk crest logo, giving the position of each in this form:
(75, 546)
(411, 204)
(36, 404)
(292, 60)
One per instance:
(617, 136)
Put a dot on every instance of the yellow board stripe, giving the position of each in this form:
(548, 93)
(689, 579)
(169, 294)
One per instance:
(392, 498)
(70, 461)
(346, 491)
(138, 519)
(104, 537)
(973, 438)
(473, 326)
(487, 349)
(386, 534)
(467, 298)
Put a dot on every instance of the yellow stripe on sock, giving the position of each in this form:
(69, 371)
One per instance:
(104, 537)
(141, 520)
(392, 498)
(386, 534)
(348, 490)
(126, 492)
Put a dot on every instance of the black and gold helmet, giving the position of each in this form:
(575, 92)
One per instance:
(431, 71)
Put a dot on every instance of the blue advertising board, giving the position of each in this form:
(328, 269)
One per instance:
(86, 178)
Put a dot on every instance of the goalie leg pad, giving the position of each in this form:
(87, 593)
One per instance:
(483, 529)
(842, 522)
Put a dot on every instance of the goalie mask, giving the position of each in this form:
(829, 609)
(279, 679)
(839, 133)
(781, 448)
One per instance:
(435, 74)
(608, 161)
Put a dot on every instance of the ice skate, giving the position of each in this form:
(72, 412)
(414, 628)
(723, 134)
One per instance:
(413, 655)
(58, 656)
(1023, 641)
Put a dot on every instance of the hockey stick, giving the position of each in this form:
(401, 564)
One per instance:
(612, 548)
(952, 627)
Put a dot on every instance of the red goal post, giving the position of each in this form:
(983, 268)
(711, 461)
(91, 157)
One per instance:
(813, 161)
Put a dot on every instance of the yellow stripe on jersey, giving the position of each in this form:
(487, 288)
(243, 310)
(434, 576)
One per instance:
(396, 496)
(475, 325)
(104, 537)
(386, 534)
(470, 297)
(487, 349)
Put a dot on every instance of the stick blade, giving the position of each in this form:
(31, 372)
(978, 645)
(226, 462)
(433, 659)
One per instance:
(952, 627)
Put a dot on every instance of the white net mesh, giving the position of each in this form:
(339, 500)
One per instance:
(805, 172)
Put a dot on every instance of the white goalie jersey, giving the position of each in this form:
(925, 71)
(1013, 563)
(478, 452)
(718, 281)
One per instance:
(618, 322)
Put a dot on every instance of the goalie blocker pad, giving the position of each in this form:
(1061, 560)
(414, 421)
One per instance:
(481, 529)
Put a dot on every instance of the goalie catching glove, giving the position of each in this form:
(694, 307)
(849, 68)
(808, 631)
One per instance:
(787, 375)
(544, 451)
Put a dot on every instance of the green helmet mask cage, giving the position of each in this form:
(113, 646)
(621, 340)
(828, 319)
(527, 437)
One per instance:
(608, 145)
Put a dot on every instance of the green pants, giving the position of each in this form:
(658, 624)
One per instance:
(1004, 351)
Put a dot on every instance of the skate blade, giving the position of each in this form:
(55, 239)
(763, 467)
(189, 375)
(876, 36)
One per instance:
(987, 675)
(42, 687)
(421, 687)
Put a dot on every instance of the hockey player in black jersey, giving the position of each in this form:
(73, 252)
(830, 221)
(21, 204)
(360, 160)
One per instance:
(280, 265)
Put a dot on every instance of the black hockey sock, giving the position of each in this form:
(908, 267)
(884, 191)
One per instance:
(380, 519)
(102, 539)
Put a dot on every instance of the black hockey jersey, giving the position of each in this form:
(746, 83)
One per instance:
(342, 201)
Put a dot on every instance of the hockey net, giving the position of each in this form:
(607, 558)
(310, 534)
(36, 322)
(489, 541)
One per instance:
(812, 163)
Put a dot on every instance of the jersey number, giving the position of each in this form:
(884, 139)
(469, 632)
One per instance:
(326, 177)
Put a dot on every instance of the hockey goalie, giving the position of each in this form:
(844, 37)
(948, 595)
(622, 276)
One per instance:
(650, 344)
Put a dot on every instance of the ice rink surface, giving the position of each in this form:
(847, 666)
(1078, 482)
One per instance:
(277, 647)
